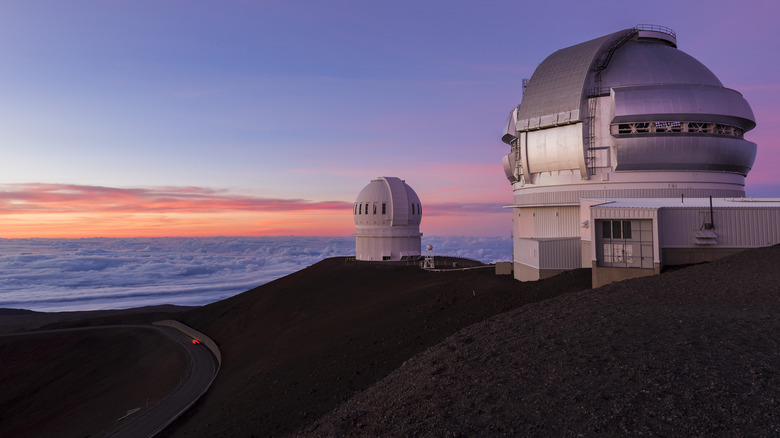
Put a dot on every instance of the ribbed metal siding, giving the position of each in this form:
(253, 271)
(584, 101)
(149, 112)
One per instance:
(556, 222)
(560, 253)
(524, 222)
(734, 227)
(548, 253)
(556, 86)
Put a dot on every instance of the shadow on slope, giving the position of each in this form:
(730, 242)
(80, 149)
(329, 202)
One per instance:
(693, 352)
(79, 383)
(296, 347)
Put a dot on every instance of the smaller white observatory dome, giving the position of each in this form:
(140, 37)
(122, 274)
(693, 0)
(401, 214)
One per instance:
(387, 216)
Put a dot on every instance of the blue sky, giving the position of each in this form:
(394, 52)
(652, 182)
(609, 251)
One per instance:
(307, 101)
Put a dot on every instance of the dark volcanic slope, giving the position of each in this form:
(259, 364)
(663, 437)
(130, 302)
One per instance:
(79, 383)
(691, 352)
(296, 347)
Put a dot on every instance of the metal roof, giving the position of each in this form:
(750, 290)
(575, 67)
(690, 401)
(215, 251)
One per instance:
(651, 62)
(558, 82)
(559, 87)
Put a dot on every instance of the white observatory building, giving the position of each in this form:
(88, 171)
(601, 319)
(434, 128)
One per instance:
(627, 154)
(387, 220)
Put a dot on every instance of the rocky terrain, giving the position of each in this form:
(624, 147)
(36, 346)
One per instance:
(347, 348)
(693, 352)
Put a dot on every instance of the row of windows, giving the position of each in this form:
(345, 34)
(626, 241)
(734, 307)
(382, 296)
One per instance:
(681, 127)
(616, 230)
(358, 208)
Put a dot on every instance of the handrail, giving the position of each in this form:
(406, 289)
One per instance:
(656, 28)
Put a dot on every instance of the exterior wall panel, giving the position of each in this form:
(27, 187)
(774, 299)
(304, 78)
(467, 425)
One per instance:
(560, 253)
(734, 227)
(526, 252)
(553, 222)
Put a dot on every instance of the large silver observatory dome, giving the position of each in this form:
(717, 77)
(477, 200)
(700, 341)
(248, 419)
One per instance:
(624, 116)
(632, 102)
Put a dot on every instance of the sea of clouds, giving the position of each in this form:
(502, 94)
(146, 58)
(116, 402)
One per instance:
(53, 275)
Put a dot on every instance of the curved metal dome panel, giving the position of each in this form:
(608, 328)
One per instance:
(651, 62)
(685, 153)
(398, 197)
(695, 103)
(555, 90)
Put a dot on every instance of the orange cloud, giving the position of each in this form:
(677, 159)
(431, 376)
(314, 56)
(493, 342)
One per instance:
(63, 210)
(60, 210)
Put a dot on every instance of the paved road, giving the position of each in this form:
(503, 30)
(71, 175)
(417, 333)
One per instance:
(203, 370)
(149, 422)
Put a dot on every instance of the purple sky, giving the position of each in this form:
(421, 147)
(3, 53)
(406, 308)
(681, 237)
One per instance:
(305, 102)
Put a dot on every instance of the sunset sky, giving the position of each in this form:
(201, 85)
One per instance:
(196, 118)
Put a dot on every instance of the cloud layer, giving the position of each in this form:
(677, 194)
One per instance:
(91, 274)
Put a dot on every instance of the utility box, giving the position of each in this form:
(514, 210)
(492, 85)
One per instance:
(503, 268)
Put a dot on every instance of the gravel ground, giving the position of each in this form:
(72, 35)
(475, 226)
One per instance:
(692, 352)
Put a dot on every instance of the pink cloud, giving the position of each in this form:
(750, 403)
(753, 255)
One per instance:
(69, 198)
(68, 210)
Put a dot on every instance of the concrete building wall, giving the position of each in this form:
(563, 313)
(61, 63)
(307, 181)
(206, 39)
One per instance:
(689, 256)
(601, 275)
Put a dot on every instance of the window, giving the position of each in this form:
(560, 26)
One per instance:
(419, 209)
(625, 243)
(354, 208)
(642, 127)
(724, 129)
(412, 208)
(673, 127)
(668, 126)
(360, 209)
(384, 208)
(374, 208)
(616, 230)
(700, 128)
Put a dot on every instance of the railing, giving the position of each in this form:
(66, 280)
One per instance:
(656, 28)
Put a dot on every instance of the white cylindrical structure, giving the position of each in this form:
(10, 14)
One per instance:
(387, 216)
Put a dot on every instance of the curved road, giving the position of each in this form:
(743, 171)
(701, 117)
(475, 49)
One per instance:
(147, 423)
(202, 372)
